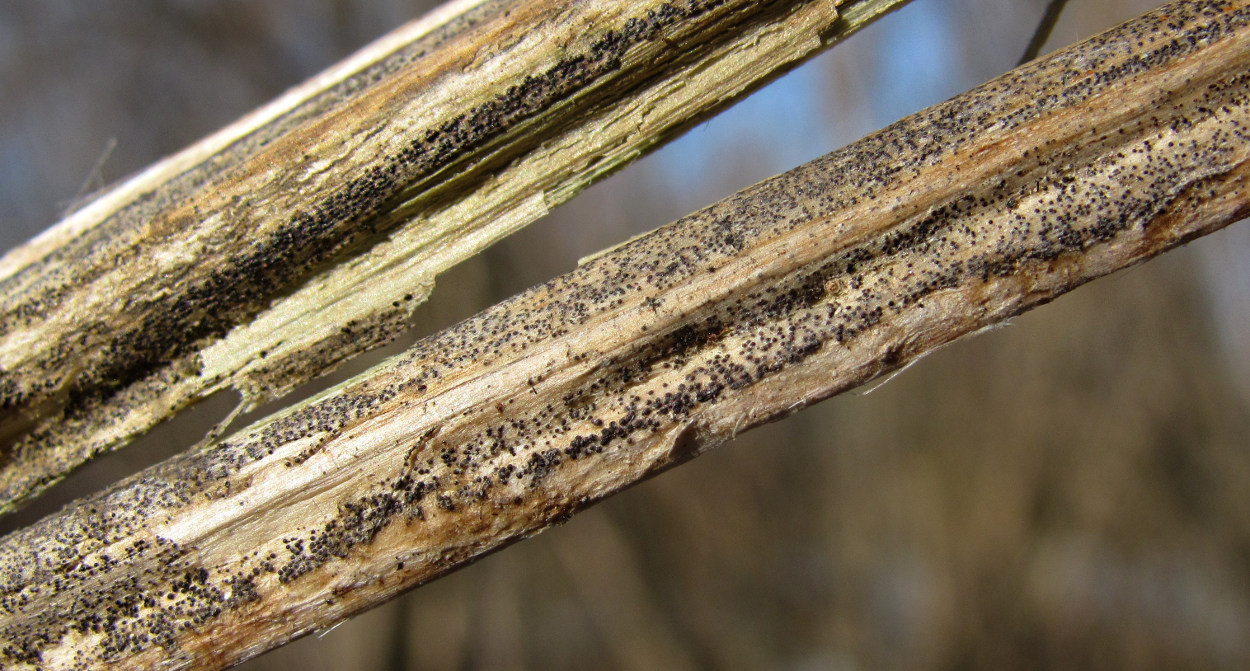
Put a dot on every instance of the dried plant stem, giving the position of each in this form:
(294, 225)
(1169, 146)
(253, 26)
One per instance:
(310, 230)
(820, 279)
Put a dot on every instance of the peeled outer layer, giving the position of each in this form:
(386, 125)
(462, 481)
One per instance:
(802, 286)
(310, 230)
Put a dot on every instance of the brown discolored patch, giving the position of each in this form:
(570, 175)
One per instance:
(520, 416)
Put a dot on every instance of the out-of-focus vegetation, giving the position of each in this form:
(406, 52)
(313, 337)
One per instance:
(1066, 492)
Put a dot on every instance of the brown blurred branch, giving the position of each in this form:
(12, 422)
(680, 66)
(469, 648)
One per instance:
(1069, 168)
(1045, 26)
(310, 230)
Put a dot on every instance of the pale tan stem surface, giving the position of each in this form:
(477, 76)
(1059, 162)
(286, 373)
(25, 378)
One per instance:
(310, 230)
(802, 286)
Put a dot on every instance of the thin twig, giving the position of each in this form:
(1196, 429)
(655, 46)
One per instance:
(1044, 27)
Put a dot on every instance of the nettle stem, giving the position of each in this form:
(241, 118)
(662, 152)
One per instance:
(309, 231)
(815, 281)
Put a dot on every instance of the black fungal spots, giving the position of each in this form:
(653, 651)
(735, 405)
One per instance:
(639, 348)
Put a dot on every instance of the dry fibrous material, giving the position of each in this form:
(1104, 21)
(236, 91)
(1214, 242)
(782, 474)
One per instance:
(810, 283)
(309, 231)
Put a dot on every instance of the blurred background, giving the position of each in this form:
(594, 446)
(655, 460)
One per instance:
(1066, 492)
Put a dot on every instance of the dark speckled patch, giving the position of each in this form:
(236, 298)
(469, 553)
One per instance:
(497, 456)
(99, 371)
